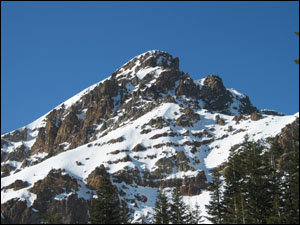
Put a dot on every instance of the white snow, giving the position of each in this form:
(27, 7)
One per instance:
(97, 155)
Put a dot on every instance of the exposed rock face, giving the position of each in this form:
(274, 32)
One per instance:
(53, 184)
(16, 136)
(256, 116)
(72, 210)
(138, 148)
(18, 155)
(247, 107)
(188, 119)
(165, 165)
(271, 112)
(17, 185)
(6, 169)
(69, 210)
(188, 88)
(95, 178)
(12, 211)
(158, 58)
(218, 98)
(46, 136)
(289, 134)
(68, 129)
(188, 185)
(214, 93)
(128, 175)
(167, 79)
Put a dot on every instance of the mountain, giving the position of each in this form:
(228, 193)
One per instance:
(147, 124)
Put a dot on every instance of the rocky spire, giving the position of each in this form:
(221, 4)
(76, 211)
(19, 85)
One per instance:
(152, 58)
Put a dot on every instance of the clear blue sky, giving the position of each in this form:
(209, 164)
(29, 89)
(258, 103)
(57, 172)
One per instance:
(52, 50)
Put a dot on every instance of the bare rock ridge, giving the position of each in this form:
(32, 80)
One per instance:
(148, 79)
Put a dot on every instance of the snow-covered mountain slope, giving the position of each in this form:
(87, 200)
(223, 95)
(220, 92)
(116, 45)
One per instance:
(146, 121)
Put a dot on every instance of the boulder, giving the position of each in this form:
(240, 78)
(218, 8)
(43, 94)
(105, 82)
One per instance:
(139, 148)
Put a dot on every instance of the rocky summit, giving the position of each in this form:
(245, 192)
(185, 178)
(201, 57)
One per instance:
(147, 125)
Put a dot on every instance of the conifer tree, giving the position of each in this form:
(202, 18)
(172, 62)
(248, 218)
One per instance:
(179, 210)
(124, 213)
(215, 208)
(195, 215)
(233, 199)
(261, 184)
(274, 181)
(291, 184)
(257, 199)
(106, 208)
(161, 209)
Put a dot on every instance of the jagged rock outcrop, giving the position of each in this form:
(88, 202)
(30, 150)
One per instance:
(16, 136)
(12, 211)
(45, 141)
(217, 98)
(69, 209)
(18, 155)
(53, 184)
(17, 185)
(289, 135)
(214, 93)
(95, 178)
(187, 88)
(68, 129)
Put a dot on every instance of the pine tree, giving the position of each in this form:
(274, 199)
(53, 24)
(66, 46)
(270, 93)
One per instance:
(106, 208)
(257, 198)
(124, 213)
(274, 179)
(233, 200)
(179, 210)
(215, 208)
(291, 184)
(261, 184)
(161, 209)
(195, 215)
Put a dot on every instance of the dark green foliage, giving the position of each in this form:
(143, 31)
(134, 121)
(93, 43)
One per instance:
(106, 208)
(261, 185)
(124, 214)
(161, 209)
(290, 185)
(215, 208)
(195, 215)
(176, 212)
(179, 210)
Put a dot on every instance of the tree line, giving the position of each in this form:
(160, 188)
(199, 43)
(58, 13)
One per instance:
(259, 185)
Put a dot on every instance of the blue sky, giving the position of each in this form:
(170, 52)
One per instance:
(50, 51)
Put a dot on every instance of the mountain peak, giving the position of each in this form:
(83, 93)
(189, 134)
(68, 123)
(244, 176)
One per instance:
(152, 58)
(148, 125)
